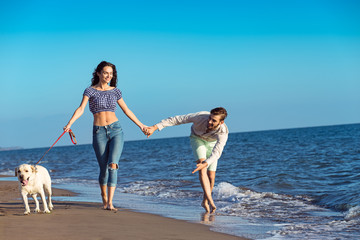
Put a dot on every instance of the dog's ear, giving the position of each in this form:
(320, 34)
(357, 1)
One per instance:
(33, 168)
(16, 171)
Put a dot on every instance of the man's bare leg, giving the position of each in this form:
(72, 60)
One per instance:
(204, 203)
(211, 176)
(205, 184)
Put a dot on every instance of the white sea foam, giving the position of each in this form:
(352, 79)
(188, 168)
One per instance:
(166, 189)
(248, 203)
(333, 230)
(353, 213)
(7, 172)
(295, 216)
(66, 181)
(298, 215)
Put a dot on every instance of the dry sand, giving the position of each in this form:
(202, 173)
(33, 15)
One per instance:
(83, 220)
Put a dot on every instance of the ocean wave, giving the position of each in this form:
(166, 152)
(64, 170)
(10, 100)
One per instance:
(332, 230)
(11, 172)
(164, 189)
(297, 216)
(84, 182)
(353, 213)
(8, 172)
(244, 202)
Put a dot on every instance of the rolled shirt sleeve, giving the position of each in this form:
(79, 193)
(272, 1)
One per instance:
(177, 120)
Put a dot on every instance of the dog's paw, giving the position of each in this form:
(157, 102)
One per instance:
(27, 212)
(37, 210)
(47, 211)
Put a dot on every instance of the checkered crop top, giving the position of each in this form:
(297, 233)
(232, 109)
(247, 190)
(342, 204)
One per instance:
(102, 101)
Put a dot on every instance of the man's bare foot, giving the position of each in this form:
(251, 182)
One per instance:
(213, 209)
(205, 205)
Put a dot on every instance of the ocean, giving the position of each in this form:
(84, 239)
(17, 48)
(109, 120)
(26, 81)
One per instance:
(301, 183)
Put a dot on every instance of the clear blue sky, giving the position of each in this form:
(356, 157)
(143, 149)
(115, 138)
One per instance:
(271, 64)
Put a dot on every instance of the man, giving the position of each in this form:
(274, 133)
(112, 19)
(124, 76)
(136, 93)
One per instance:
(208, 137)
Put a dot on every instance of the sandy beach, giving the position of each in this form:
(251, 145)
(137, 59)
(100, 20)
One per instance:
(84, 220)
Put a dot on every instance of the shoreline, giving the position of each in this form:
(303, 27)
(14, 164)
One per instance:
(87, 220)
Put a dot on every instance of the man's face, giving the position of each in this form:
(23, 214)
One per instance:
(214, 122)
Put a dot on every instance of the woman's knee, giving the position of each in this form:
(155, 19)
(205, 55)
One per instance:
(113, 166)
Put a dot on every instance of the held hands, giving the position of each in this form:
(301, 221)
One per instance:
(148, 131)
(142, 128)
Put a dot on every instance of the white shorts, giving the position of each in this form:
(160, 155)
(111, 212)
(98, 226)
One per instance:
(202, 149)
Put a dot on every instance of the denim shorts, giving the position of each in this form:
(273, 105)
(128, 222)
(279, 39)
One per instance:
(202, 149)
(108, 142)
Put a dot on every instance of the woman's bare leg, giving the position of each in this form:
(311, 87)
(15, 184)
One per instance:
(111, 191)
(103, 189)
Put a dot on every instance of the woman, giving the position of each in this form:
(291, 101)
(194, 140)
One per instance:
(108, 139)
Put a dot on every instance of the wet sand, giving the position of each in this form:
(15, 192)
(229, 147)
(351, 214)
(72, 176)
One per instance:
(84, 220)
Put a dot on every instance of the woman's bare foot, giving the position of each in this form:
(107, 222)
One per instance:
(111, 208)
(104, 196)
(105, 204)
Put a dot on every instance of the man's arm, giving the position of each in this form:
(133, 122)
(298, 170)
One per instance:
(171, 121)
(215, 154)
(177, 120)
(218, 149)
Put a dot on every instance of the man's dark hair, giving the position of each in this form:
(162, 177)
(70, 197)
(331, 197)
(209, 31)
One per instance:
(219, 111)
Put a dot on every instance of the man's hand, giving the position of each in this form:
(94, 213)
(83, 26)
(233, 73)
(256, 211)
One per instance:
(150, 130)
(200, 166)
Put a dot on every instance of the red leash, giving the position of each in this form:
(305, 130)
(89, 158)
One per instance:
(72, 137)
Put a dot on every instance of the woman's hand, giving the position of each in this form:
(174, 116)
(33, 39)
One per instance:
(67, 128)
(150, 130)
(143, 129)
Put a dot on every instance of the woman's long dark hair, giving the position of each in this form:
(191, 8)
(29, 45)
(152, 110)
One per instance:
(95, 79)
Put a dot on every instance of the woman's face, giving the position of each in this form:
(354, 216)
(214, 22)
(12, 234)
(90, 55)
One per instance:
(106, 74)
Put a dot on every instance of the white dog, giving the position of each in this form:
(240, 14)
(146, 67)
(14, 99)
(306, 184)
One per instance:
(34, 180)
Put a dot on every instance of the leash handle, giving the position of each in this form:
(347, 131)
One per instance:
(72, 137)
